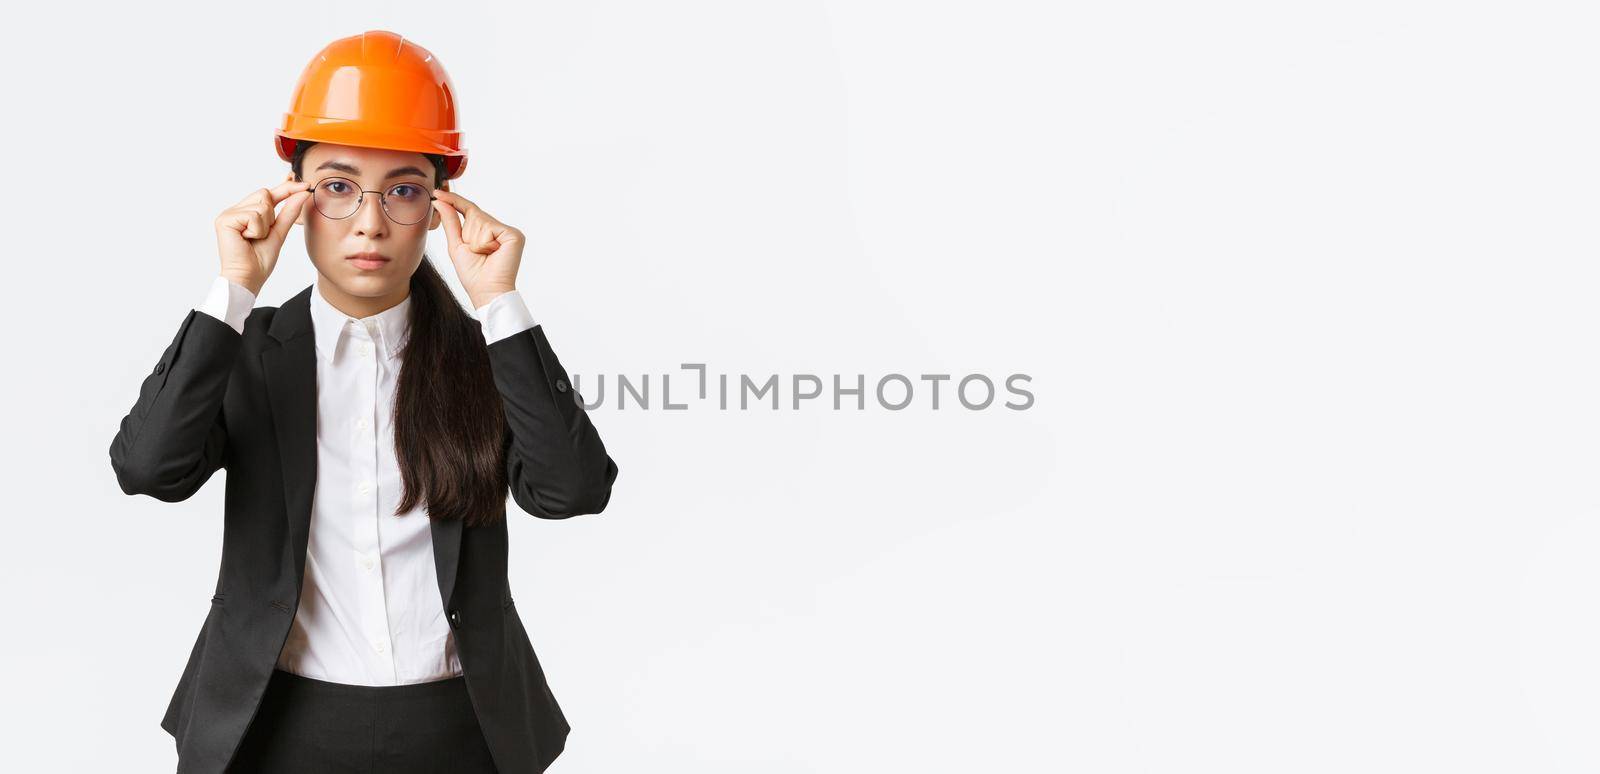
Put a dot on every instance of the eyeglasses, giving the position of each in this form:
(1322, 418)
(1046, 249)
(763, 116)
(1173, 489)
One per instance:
(406, 203)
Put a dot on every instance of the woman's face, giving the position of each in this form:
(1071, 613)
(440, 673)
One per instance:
(331, 242)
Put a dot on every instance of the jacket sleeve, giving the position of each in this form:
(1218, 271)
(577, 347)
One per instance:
(556, 463)
(174, 437)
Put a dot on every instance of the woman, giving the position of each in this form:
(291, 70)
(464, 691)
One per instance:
(362, 618)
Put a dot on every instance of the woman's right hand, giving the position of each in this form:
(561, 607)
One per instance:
(249, 235)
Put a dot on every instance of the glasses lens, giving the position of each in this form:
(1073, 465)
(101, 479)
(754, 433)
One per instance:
(336, 198)
(407, 203)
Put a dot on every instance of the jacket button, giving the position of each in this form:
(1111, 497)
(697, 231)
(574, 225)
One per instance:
(161, 367)
(561, 385)
(455, 618)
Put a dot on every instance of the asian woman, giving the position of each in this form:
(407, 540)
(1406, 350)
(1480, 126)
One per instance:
(372, 429)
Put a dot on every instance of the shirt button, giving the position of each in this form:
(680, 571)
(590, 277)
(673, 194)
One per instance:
(361, 423)
(366, 349)
(366, 562)
(378, 646)
(364, 488)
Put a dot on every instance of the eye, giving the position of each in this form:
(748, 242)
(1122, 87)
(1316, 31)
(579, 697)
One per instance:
(335, 186)
(406, 191)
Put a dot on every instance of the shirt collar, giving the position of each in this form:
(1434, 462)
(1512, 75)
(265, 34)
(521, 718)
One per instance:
(387, 329)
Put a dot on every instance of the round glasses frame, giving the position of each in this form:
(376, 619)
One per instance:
(361, 197)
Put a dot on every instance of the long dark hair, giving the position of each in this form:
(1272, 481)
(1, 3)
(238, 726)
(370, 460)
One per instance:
(450, 429)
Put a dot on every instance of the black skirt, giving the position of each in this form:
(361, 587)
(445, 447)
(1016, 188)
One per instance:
(309, 725)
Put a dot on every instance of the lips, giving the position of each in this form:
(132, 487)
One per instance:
(369, 260)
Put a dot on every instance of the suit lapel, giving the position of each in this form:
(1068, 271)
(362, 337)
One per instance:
(291, 376)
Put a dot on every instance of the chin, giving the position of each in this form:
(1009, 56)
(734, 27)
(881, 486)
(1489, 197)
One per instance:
(374, 285)
(366, 284)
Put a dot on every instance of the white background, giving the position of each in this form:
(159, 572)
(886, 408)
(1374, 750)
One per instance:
(1307, 292)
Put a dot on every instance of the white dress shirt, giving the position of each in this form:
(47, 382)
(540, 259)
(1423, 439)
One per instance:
(370, 611)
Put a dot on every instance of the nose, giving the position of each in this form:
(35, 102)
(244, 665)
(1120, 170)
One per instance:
(369, 219)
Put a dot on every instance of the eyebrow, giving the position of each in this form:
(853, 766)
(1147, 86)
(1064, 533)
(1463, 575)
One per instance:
(351, 169)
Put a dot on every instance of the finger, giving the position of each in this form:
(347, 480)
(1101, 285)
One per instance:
(478, 236)
(500, 232)
(286, 189)
(255, 197)
(289, 214)
(255, 224)
(461, 203)
(275, 194)
(234, 220)
(271, 197)
(451, 221)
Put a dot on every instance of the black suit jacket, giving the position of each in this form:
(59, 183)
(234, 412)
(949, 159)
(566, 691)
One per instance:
(218, 399)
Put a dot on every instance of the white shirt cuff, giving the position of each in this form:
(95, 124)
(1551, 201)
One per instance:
(229, 302)
(506, 315)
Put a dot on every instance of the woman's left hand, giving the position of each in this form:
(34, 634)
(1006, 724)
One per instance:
(486, 252)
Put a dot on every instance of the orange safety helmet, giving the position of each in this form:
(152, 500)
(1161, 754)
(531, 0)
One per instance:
(376, 90)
